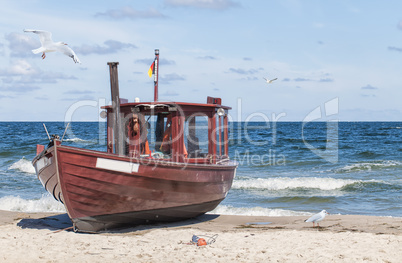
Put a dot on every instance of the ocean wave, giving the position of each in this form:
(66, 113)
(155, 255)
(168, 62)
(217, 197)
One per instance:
(390, 128)
(283, 183)
(255, 211)
(307, 199)
(372, 186)
(368, 166)
(23, 165)
(45, 204)
(75, 140)
(368, 154)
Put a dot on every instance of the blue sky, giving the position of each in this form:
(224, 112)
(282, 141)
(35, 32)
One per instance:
(320, 51)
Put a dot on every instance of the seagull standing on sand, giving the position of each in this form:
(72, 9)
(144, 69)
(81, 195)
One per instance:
(48, 45)
(270, 80)
(317, 217)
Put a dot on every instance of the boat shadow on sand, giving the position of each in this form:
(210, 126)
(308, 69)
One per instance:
(62, 222)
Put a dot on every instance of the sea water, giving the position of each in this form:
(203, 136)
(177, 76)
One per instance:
(290, 168)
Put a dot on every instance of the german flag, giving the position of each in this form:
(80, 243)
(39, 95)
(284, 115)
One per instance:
(151, 70)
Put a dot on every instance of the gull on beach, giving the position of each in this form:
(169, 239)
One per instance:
(317, 217)
(270, 80)
(48, 45)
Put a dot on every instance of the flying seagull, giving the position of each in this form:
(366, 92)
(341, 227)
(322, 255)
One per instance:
(317, 217)
(270, 80)
(48, 45)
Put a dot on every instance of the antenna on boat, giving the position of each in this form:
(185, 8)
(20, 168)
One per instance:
(156, 74)
(46, 132)
(64, 132)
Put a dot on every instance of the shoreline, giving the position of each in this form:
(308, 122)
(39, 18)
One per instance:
(38, 237)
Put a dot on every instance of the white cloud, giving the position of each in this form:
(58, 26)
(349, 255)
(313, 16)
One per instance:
(245, 71)
(2, 53)
(168, 78)
(400, 25)
(20, 67)
(207, 57)
(398, 49)
(21, 45)
(110, 46)
(21, 76)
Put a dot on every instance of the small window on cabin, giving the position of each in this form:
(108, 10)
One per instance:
(220, 140)
(160, 134)
(196, 136)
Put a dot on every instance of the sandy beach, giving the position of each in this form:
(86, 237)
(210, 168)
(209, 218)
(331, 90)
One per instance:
(44, 237)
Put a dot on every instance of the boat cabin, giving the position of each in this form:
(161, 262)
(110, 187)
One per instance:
(171, 131)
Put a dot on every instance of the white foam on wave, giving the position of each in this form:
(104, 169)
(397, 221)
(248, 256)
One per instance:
(255, 211)
(23, 165)
(48, 204)
(367, 166)
(45, 204)
(282, 183)
(76, 139)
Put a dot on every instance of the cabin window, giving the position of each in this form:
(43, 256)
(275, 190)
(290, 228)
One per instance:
(136, 135)
(196, 136)
(221, 133)
(160, 134)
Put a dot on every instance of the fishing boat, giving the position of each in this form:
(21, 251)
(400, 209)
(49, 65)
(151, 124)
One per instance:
(163, 162)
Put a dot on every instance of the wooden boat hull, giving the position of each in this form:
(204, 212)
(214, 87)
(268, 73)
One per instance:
(102, 190)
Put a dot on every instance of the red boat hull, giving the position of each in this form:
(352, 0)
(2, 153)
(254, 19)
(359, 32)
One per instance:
(102, 190)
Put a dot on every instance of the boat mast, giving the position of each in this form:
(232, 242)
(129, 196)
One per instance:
(156, 66)
(117, 127)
